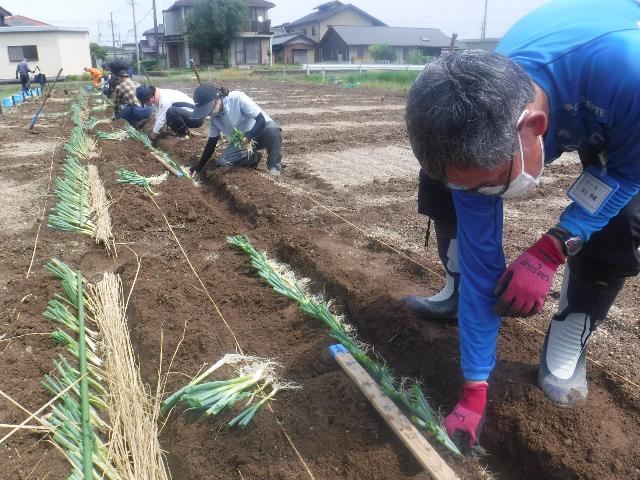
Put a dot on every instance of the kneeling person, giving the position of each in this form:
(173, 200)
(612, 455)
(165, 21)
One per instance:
(173, 109)
(231, 111)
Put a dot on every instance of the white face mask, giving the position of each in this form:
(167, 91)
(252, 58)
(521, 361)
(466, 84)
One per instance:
(524, 182)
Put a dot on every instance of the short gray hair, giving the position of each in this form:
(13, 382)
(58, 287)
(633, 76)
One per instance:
(462, 111)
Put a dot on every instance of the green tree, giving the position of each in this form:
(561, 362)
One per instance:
(97, 52)
(382, 51)
(214, 24)
(416, 57)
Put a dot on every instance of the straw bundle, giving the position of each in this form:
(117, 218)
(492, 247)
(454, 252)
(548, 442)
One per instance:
(133, 412)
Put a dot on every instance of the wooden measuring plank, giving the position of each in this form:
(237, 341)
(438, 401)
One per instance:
(399, 423)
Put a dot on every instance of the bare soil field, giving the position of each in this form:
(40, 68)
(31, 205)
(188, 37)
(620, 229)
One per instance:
(344, 215)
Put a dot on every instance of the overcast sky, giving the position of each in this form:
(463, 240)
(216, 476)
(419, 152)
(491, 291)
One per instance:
(461, 16)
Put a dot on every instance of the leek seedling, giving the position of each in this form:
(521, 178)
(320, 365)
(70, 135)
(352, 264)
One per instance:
(117, 135)
(236, 139)
(285, 283)
(134, 178)
(80, 145)
(255, 378)
(163, 156)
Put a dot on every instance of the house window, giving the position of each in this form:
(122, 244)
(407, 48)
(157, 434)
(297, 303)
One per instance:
(314, 32)
(360, 52)
(304, 31)
(30, 52)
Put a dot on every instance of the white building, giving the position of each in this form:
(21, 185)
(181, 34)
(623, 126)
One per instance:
(51, 48)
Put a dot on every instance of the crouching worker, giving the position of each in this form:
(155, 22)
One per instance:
(125, 103)
(173, 109)
(229, 112)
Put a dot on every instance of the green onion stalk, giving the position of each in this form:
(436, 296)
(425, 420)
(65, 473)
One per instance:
(75, 415)
(80, 145)
(134, 178)
(236, 139)
(255, 378)
(72, 192)
(412, 399)
(144, 139)
(116, 135)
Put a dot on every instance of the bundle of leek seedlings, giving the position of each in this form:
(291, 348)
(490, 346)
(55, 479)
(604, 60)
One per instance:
(255, 385)
(283, 280)
(134, 178)
(163, 156)
(76, 414)
(131, 450)
(80, 145)
(82, 204)
(236, 140)
(116, 135)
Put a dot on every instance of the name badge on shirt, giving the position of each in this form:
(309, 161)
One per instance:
(592, 189)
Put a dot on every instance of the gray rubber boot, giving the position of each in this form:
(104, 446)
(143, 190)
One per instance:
(584, 304)
(443, 304)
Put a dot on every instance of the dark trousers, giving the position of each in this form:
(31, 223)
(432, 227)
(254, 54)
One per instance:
(270, 139)
(24, 81)
(133, 113)
(610, 253)
(179, 119)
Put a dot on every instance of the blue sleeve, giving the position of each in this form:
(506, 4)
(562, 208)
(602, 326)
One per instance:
(481, 264)
(620, 93)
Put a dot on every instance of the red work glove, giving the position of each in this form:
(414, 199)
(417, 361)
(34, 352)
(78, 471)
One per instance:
(464, 424)
(524, 286)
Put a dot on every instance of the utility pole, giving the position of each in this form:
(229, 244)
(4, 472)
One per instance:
(99, 36)
(155, 31)
(484, 22)
(135, 34)
(113, 38)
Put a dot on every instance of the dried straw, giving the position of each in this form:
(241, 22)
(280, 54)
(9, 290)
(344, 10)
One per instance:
(134, 449)
(99, 204)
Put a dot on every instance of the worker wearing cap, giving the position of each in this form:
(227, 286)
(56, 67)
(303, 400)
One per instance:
(483, 125)
(96, 75)
(173, 109)
(125, 102)
(22, 73)
(231, 111)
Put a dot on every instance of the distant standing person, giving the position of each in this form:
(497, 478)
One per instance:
(173, 109)
(22, 73)
(231, 111)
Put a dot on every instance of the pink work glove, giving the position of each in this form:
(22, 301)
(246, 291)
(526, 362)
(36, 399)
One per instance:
(464, 424)
(524, 286)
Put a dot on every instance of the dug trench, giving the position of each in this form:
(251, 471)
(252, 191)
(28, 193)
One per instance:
(526, 436)
(336, 431)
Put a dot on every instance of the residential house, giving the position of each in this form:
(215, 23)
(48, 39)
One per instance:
(249, 48)
(22, 21)
(487, 44)
(148, 45)
(316, 24)
(46, 46)
(293, 48)
(4, 14)
(351, 43)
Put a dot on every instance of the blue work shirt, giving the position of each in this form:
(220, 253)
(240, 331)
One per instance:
(585, 55)
(23, 68)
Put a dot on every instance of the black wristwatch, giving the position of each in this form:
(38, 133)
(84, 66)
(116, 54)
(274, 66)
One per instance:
(571, 244)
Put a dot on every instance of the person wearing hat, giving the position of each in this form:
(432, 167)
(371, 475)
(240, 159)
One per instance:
(231, 111)
(173, 109)
(125, 102)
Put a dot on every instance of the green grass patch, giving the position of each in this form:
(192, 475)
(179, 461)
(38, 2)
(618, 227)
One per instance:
(385, 80)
